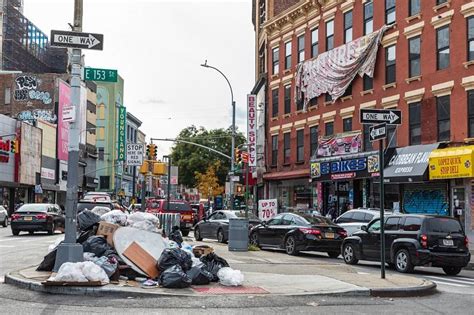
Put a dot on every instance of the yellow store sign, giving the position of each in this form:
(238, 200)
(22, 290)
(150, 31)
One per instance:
(452, 163)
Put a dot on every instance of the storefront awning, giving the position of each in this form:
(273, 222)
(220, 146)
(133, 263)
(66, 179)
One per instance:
(454, 162)
(409, 164)
(344, 167)
(286, 175)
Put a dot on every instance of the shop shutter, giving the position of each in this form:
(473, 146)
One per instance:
(426, 198)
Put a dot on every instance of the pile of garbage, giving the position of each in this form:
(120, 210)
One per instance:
(118, 246)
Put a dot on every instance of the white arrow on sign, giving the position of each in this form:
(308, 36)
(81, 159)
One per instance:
(89, 41)
(389, 117)
(377, 132)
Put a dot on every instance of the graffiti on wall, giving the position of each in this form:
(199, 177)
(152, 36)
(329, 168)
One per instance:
(426, 201)
(35, 114)
(27, 89)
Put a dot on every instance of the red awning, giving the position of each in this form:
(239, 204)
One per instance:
(287, 175)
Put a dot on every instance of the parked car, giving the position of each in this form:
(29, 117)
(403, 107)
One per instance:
(34, 217)
(91, 204)
(352, 220)
(296, 233)
(411, 240)
(199, 212)
(97, 196)
(3, 216)
(176, 206)
(216, 226)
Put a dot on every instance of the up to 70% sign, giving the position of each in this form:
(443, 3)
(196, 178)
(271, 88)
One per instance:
(267, 209)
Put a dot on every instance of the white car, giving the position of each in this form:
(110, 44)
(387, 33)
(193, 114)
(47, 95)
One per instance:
(3, 216)
(352, 220)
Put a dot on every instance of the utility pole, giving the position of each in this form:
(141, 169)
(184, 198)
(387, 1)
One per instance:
(69, 250)
(169, 184)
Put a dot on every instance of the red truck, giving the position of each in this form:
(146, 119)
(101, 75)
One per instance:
(176, 206)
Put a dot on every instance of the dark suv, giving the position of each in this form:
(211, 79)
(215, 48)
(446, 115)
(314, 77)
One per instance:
(411, 240)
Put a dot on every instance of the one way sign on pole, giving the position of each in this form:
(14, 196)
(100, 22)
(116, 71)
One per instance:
(377, 132)
(378, 116)
(77, 40)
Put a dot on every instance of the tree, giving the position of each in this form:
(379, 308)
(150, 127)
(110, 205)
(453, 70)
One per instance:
(191, 159)
(208, 183)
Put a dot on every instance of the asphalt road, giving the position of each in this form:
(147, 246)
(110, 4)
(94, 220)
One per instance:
(455, 296)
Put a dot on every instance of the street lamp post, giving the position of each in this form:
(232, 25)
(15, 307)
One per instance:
(232, 165)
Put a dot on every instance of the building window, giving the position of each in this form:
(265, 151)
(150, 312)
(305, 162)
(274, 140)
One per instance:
(288, 55)
(329, 35)
(329, 128)
(104, 182)
(276, 60)
(327, 97)
(347, 124)
(287, 99)
(391, 136)
(442, 47)
(438, 2)
(414, 7)
(470, 38)
(368, 83)
(301, 48)
(414, 56)
(274, 150)
(348, 90)
(314, 42)
(299, 104)
(367, 143)
(390, 70)
(275, 103)
(300, 145)
(368, 18)
(286, 148)
(8, 96)
(313, 140)
(100, 153)
(415, 123)
(470, 109)
(347, 26)
(389, 11)
(444, 118)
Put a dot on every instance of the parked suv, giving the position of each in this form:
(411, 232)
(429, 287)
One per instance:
(411, 240)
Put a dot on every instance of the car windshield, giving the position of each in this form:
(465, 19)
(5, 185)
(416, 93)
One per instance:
(241, 214)
(81, 206)
(316, 220)
(444, 225)
(176, 206)
(34, 207)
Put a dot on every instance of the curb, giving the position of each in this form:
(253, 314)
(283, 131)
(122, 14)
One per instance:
(428, 288)
(470, 266)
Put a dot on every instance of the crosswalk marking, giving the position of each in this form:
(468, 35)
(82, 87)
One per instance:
(452, 284)
(10, 239)
(456, 280)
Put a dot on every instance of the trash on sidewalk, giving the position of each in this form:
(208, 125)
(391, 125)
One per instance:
(214, 263)
(174, 256)
(199, 275)
(142, 259)
(144, 221)
(115, 217)
(100, 210)
(150, 284)
(230, 277)
(107, 230)
(97, 245)
(87, 219)
(55, 245)
(202, 250)
(80, 272)
(176, 236)
(174, 277)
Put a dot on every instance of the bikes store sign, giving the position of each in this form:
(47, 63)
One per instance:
(347, 167)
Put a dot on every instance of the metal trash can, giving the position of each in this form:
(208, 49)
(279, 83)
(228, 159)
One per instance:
(238, 235)
(168, 220)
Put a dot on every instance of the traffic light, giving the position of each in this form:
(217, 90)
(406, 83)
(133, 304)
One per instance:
(153, 153)
(159, 168)
(238, 156)
(148, 148)
(14, 146)
(144, 167)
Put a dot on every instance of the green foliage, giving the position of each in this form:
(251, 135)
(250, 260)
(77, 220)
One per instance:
(191, 159)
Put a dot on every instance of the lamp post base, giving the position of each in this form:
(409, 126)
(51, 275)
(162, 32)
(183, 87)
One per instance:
(68, 252)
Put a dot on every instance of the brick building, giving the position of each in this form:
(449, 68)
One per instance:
(424, 67)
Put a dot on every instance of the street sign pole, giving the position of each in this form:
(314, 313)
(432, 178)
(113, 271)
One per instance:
(382, 229)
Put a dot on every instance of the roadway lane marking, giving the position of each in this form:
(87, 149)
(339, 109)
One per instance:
(452, 284)
(7, 246)
(451, 279)
(10, 239)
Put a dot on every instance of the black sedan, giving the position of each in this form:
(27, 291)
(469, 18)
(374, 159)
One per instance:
(296, 233)
(33, 217)
(216, 226)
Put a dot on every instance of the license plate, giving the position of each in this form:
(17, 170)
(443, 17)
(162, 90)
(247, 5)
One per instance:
(27, 218)
(448, 242)
(329, 235)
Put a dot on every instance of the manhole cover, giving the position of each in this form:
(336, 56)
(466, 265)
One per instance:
(231, 290)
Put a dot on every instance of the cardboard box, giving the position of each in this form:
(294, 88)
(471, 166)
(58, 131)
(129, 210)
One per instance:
(202, 250)
(142, 259)
(107, 230)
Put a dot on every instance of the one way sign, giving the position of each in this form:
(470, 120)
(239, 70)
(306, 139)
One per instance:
(378, 116)
(377, 132)
(77, 40)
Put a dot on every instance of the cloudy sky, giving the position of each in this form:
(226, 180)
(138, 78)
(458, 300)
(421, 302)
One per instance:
(158, 46)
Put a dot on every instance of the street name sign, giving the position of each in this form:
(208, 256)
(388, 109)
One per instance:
(135, 153)
(377, 132)
(77, 40)
(378, 116)
(102, 75)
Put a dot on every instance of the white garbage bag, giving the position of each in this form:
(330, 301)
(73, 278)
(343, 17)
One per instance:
(144, 216)
(100, 210)
(144, 225)
(70, 272)
(230, 277)
(94, 272)
(115, 217)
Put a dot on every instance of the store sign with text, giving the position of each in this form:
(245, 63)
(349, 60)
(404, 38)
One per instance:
(122, 133)
(252, 129)
(345, 168)
(267, 209)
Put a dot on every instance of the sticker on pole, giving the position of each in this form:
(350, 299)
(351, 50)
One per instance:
(135, 154)
(69, 114)
(267, 209)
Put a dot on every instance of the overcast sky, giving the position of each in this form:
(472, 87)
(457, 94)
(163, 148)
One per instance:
(157, 47)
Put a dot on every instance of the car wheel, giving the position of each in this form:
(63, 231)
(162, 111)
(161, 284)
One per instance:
(334, 254)
(348, 253)
(5, 222)
(403, 261)
(220, 236)
(15, 232)
(51, 231)
(452, 271)
(290, 246)
(254, 239)
(185, 232)
(197, 234)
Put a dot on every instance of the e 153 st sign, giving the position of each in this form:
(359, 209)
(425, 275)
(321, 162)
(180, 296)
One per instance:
(102, 75)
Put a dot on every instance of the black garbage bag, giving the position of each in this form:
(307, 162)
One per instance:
(87, 219)
(84, 235)
(200, 275)
(174, 256)
(213, 263)
(174, 277)
(176, 236)
(48, 262)
(97, 245)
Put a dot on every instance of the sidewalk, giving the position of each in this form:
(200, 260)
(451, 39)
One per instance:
(266, 272)
(470, 236)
